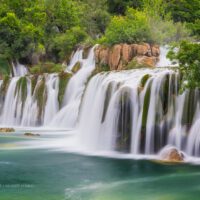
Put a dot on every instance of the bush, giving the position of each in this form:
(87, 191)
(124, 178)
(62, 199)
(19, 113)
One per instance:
(131, 28)
(188, 56)
(47, 67)
(63, 44)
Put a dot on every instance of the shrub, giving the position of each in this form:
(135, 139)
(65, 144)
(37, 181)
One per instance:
(188, 56)
(131, 28)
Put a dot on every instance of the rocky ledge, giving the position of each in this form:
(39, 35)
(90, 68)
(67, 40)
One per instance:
(119, 56)
(7, 130)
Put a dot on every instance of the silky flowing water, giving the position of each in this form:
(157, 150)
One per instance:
(102, 141)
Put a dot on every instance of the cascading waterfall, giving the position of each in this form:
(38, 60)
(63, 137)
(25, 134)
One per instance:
(136, 111)
(139, 112)
(19, 69)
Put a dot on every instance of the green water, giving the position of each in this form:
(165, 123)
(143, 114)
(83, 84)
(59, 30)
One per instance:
(54, 175)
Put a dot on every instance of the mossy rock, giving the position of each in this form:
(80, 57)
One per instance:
(32, 134)
(34, 80)
(76, 67)
(64, 78)
(4, 86)
(47, 67)
(40, 95)
(7, 130)
(133, 64)
(86, 51)
(144, 80)
(22, 87)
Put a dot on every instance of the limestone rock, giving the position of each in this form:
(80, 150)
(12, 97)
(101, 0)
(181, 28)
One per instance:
(114, 57)
(146, 61)
(7, 130)
(155, 50)
(31, 134)
(171, 154)
(126, 53)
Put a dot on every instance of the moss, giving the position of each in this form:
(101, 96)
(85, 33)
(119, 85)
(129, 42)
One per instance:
(63, 80)
(34, 80)
(133, 64)
(47, 67)
(86, 51)
(22, 87)
(76, 67)
(144, 80)
(146, 106)
(41, 96)
(4, 86)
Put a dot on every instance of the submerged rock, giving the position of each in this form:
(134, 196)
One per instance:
(171, 154)
(32, 134)
(7, 130)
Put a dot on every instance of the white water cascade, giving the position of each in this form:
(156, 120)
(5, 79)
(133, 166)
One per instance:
(67, 116)
(139, 112)
(19, 69)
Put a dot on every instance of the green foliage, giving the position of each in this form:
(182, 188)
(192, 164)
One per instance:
(188, 56)
(120, 6)
(63, 44)
(131, 28)
(184, 10)
(20, 29)
(47, 67)
(95, 17)
(4, 67)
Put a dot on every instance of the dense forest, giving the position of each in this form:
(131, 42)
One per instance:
(52, 29)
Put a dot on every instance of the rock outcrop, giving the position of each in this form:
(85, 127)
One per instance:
(119, 56)
(32, 134)
(171, 154)
(7, 130)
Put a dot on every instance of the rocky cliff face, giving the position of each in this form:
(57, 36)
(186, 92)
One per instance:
(119, 56)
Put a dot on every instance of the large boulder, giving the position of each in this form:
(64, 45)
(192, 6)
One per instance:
(171, 154)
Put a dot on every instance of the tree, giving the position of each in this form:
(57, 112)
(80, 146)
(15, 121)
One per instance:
(188, 56)
(120, 6)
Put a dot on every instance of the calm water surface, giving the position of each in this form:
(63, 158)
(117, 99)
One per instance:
(44, 174)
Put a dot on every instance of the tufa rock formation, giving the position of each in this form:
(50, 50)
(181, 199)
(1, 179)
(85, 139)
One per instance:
(171, 154)
(119, 56)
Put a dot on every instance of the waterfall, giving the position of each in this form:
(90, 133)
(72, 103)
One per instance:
(19, 69)
(67, 116)
(138, 111)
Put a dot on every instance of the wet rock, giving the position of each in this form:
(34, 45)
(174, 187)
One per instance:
(76, 67)
(171, 154)
(32, 134)
(7, 130)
